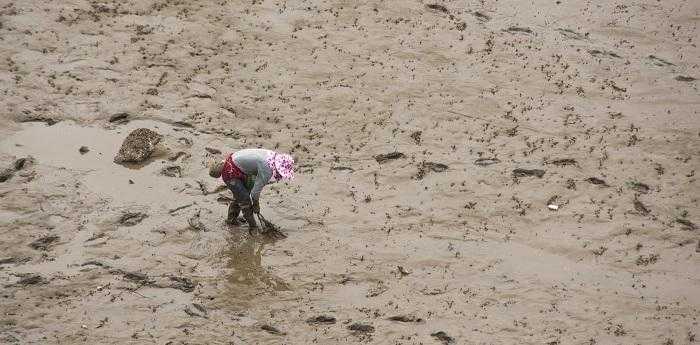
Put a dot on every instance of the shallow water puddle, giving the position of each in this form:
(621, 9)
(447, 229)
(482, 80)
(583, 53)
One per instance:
(58, 147)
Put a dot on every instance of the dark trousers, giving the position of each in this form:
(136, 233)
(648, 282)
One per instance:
(242, 202)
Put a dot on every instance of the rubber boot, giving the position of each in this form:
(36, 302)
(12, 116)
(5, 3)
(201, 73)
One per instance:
(233, 211)
(250, 218)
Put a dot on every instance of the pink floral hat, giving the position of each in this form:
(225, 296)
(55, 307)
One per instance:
(282, 164)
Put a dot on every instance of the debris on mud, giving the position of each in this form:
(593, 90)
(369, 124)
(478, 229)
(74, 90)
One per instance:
(528, 172)
(568, 33)
(321, 320)
(639, 187)
(598, 53)
(177, 156)
(659, 61)
(14, 260)
(481, 17)
(195, 223)
(416, 136)
(443, 337)
(482, 162)
(132, 218)
(377, 290)
(270, 230)
(563, 162)
(30, 279)
(361, 328)
(171, 171)
(138, 146)
(271, 330)
(28, 117)
(17, 165)
(685, 78)
(341, 168)
(402, 271)
(119, 118)
(516, 29)
(405, 318)
(199, 311)
(135, 277)
(44, 243)
(687, 224)
(644, 260)
(83, 150)
(385, 157)
(641, 208)
(597, 181)
(426, 167)
(213, 150)
(181, 283)
(438, 7)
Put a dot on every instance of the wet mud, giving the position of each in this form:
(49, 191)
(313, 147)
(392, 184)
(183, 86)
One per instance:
(477, 172)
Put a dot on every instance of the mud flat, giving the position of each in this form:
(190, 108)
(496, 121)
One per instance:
(470, 172)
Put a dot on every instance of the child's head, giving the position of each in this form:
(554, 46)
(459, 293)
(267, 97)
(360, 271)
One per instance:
(215, 168)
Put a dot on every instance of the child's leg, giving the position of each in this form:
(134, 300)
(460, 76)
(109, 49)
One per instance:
(242, 202)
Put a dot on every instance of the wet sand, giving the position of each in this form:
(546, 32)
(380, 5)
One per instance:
(593, 241)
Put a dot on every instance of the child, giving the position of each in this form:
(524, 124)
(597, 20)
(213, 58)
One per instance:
(246, 172)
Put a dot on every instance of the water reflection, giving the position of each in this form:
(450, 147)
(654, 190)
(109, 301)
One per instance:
(245, 272)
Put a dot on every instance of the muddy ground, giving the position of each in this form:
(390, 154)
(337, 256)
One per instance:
(470, 172)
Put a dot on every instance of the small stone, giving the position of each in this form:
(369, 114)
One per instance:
(83, 150)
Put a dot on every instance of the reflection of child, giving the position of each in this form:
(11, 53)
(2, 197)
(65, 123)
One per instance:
(246, 172)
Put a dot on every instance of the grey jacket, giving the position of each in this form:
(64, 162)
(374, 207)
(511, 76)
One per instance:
(253, 163)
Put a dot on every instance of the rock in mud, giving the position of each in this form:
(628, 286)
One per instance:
(271, 330)
(528, 172)
(172, 171)
(361, 328)
(321, 320)
(685, 78)
(596, 181)
(443, 337)
(405, 318)
(83, 150)
(138, 146)
(385, 157)
(132, 218)
(44, 243)
(482, 162)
